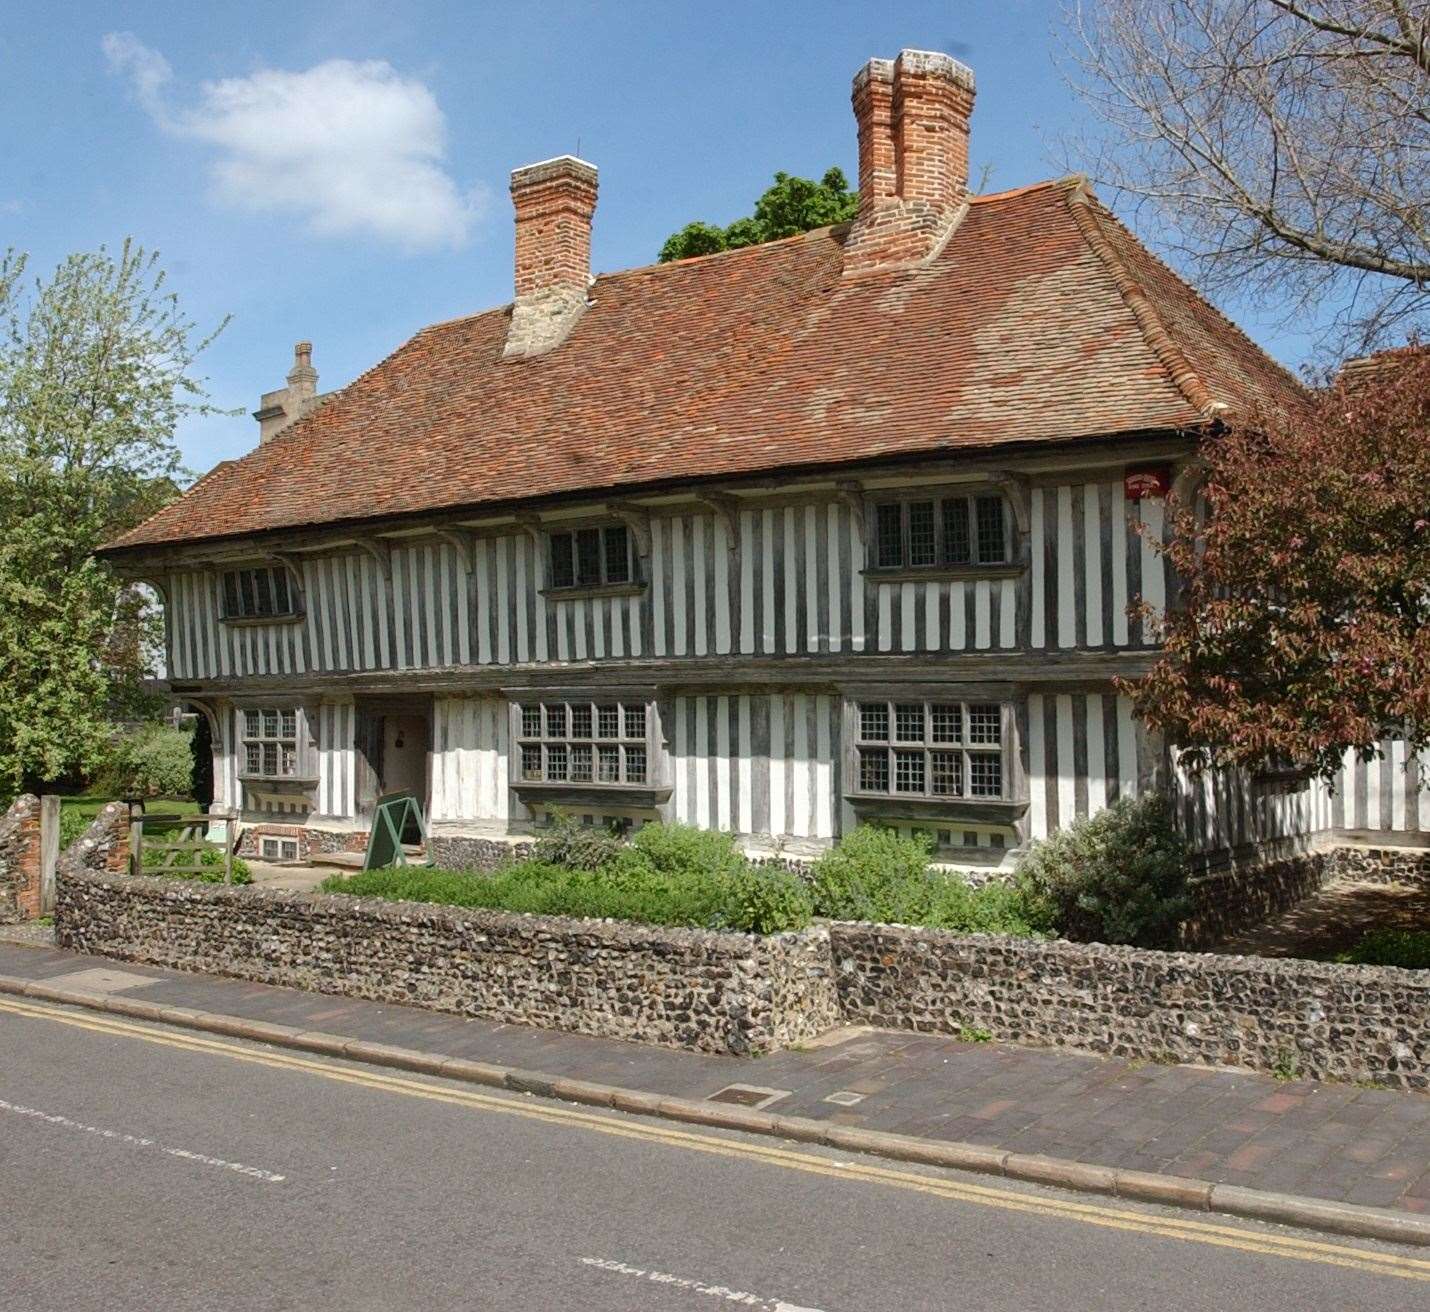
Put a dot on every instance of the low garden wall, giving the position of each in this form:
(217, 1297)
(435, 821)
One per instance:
(710, 992)
(1284, 1016)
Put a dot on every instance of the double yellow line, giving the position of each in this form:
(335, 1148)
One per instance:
(859, 1169)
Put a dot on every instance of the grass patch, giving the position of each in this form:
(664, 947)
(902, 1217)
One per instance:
(1407, 948)
(77, 813)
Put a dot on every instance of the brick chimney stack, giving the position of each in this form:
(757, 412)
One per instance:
(554, 202)
(913, 116)
(276, 410)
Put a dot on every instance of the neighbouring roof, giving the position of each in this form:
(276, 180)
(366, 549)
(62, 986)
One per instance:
(1042, 319)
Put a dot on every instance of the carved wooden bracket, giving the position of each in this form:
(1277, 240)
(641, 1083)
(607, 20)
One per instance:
(1187, 481)
(463, 543)
(727, 507)
(637, 520)
(291, 563)
(380, 551)
(530, 523)
(850, 491)
(1015, 488)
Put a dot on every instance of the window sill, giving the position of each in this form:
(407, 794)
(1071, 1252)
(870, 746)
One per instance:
(939, 573)
(278, 781)
(579, 593)
(248, 621)
(643, 796)
(900, 806)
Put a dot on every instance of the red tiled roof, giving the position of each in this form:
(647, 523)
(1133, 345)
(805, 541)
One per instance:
(1041, 319)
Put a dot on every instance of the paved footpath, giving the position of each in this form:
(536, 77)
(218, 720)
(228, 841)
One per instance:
(1337, 1142)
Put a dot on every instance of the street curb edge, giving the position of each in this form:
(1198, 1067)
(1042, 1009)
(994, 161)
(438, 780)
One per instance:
(1319, 1214)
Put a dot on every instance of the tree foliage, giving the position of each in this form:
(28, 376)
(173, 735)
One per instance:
(790, 205)
(95, 373)
(1285, 145)
(1303, 629)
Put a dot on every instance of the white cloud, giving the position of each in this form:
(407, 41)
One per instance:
(352, 148)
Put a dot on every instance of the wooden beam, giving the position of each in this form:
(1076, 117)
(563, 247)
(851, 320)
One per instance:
(851, 492)
(464, 543)
(1014, 487)
(727, 507)
(380, 551)
(636, 518)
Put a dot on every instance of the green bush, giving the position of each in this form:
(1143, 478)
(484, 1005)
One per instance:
(153, 760)
(668, 875)
(1407, 948)
(1117, 877)
(880, 874)
(577, 846)
(211, 858)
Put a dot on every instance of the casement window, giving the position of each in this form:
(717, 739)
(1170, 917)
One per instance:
(269, 743)
(584, 742)
(940, 750)
(592, 557)
(949, 531)
(260, 593)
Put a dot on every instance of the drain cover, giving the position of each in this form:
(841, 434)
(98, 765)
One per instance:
(845, 1098)
(748, 1095)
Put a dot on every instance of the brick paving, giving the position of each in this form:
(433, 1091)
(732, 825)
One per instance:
(1335, 1141)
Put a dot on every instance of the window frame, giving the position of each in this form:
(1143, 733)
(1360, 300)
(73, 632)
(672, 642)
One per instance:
(648, 791)
(606, 586)
(939, 497)
(292, 614)
(298, 739)
(927, 744)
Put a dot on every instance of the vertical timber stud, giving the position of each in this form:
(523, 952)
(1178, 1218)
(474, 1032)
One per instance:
(49, 850)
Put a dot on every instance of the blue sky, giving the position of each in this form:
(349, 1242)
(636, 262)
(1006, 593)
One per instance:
(337, 171)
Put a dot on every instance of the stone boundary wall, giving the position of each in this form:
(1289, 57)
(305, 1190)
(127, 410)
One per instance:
(1314, 1019)
(1229, 899)
(103, 847)
(709, 992)
(20, 860)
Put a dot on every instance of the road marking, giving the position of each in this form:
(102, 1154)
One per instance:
(740, 1296)
(138, 1141)
(1115, 1218)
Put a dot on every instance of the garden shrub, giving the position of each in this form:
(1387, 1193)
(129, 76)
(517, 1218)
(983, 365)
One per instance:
(667, 875)
(1117, 877)
(1407, 948)
(576, 846)
(879, 874)
(153, 760)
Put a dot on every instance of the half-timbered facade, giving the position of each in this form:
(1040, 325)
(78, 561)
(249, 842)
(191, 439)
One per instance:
(848, 526)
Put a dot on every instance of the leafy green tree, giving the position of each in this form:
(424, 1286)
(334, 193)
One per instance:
(791, 205)
(96, 370)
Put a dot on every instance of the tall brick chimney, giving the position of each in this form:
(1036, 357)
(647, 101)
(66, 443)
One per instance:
(554, 202)
(276, 410)
(913, 117)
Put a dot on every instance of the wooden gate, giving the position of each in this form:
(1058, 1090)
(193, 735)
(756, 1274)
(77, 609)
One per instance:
(180, 842)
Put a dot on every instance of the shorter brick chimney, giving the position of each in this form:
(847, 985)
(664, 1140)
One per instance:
(913, 117)
(276, 410)
(554, 202)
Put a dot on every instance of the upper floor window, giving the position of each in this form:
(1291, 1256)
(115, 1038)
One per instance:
(258, 593)
(591, 557)
(582, 742)
(951, 530)
(270, 742)
(931, 749)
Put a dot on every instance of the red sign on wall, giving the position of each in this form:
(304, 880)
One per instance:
(1145, 481)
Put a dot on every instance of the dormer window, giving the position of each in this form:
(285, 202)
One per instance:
(265, 592)
(594, 557)
(953, 530)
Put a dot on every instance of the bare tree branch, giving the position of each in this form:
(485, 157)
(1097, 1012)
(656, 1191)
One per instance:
(1284, 143)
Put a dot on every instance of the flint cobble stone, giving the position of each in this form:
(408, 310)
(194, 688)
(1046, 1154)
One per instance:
(695, 989)
(1317, 1020)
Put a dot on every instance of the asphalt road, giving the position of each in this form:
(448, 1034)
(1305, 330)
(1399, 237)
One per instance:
(145, 1168)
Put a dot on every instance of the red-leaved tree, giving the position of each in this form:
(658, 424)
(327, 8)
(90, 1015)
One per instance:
(1303, 626)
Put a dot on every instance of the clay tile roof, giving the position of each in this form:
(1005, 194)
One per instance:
(1041, 320)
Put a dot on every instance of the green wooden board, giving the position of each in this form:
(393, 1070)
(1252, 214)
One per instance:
(395, 816)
